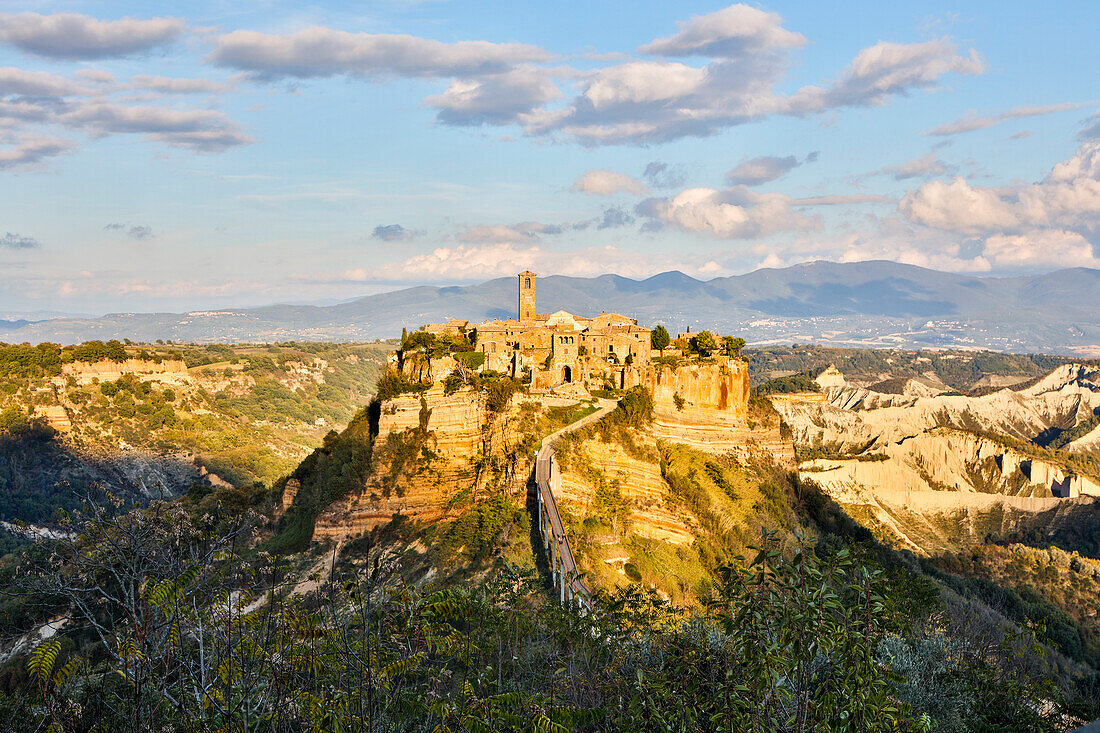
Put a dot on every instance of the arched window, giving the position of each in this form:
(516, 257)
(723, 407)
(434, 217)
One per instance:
(527, 283)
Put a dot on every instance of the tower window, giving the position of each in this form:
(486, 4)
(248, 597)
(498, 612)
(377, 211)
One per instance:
(527, 283)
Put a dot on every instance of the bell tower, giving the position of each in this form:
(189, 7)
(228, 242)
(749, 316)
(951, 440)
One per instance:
(527, 304)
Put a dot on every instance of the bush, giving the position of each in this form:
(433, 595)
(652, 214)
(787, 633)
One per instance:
(636, 407)
(470, 359)
(394, 383)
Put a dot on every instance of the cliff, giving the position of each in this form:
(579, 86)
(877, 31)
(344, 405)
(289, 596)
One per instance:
(432, 453)
(168, 370)
(701, 404)
(944, 489)
(648, 509)
(854, 418)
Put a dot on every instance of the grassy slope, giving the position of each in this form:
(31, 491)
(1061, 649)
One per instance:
(251, 413)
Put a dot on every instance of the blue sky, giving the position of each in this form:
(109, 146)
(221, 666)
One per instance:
(167, 156)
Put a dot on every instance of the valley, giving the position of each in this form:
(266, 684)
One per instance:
(968, 480)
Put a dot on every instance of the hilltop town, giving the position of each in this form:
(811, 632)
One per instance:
(558, 352)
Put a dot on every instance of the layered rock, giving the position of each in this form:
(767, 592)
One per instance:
(168, 370)
(704, 405)
(1090, 441)
(651, 514)
(56, 416)
(853, 418)
(945, 488)
(429, 449)
(941, 460)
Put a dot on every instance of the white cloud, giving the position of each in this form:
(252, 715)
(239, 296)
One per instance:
(320, 52)
(522, 233)
(606, 183)
(632, 102)
(756, 171)
(1040, 249)
(956, 206)
(32, 100)
(733, 32)
(96, 76)
(36, 83)
(924, 166)
(71, 36)
(504, 259)
(735, 213)
(641, 82)
(969, 123)
(198, 130)
(645, 102)
(1067, 199)
(495, 98)
(886, 69)
(31, 150)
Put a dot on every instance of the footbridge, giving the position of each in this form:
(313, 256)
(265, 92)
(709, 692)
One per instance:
(563, 566)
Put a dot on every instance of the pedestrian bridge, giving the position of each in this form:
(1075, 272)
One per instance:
(563, 566)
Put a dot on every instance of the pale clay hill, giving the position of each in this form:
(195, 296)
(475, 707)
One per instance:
(854, 418)
(930, 473)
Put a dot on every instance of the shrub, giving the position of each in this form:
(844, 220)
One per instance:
(394, 383)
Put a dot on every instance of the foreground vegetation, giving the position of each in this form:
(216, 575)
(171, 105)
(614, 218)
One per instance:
(178, 625)
(215, 611)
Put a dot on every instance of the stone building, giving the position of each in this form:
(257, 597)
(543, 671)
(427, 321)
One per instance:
(561, 350)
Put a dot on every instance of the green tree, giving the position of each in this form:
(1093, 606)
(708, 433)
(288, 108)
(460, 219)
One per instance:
(704, 343)
(732, 345)
(659, 338)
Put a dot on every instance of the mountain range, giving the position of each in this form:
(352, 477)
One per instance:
(873, 303)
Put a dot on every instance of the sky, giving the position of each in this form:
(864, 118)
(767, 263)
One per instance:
(163, 156)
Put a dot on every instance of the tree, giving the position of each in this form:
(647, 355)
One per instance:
(704, 343)
(419, 340)
(659, 339)
(733, 345)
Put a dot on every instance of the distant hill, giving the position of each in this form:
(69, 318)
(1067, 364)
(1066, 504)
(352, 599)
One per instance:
(874, 303)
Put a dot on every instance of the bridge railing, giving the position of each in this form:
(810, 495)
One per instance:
(563, 566)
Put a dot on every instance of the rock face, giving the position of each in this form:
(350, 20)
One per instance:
(56, 416)
(168, 370)
(854, 418)
(830, 378)
(289, 492)
(429, 449)
(1088, 442)
(651, 512)
(928, 479)
(944, 461)
(704, 405)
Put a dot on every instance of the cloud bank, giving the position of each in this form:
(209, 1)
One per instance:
(71, 37)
